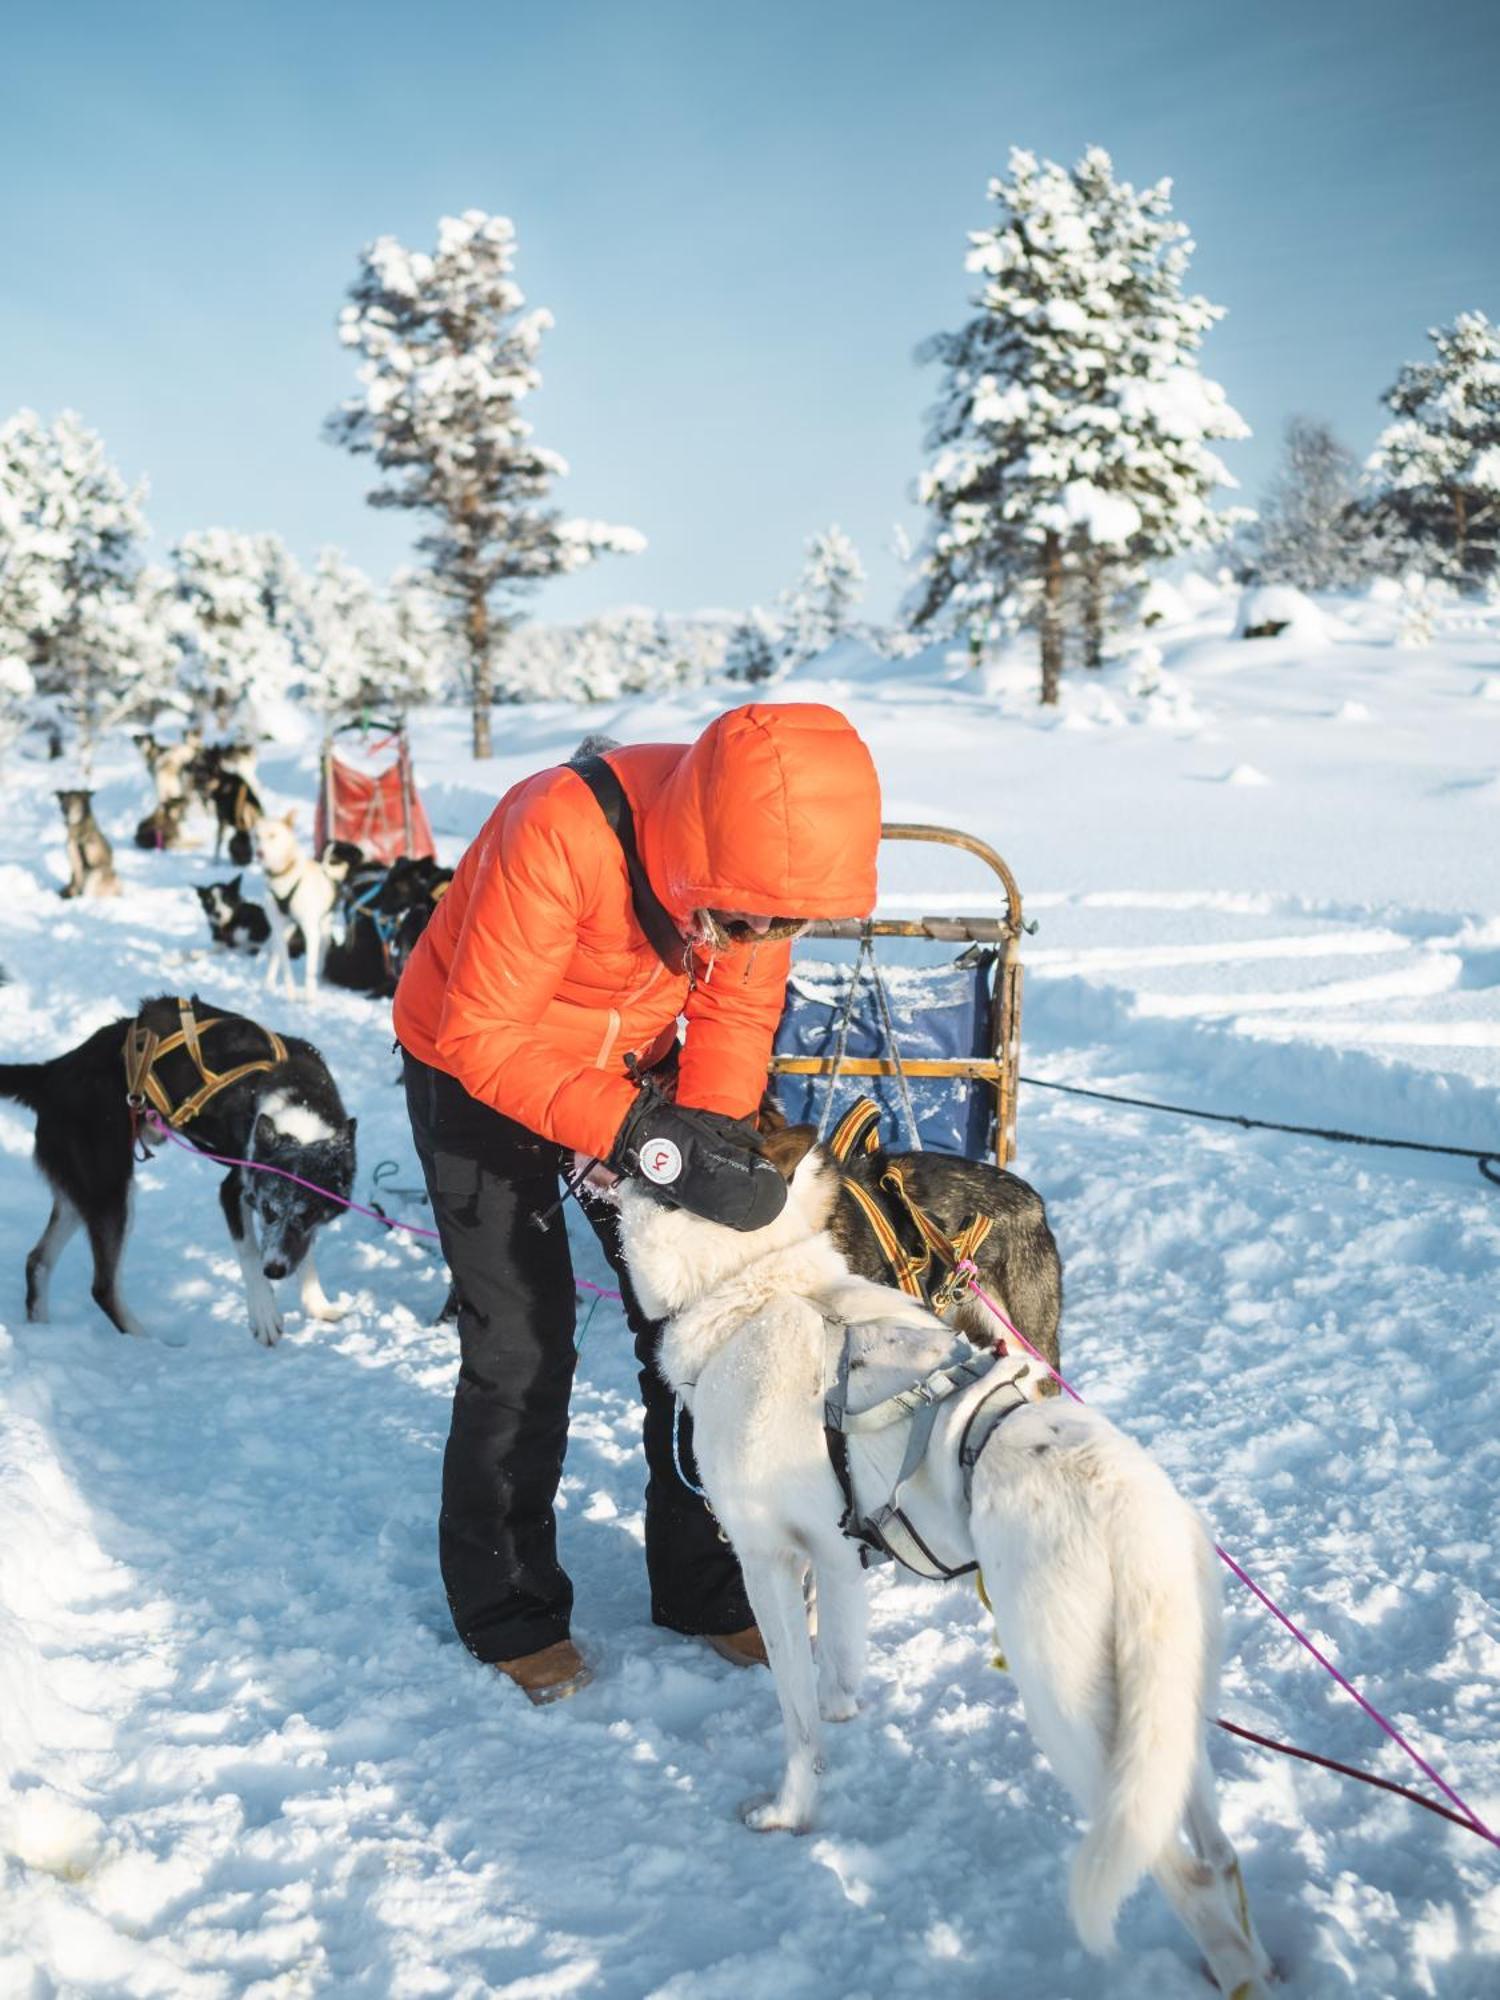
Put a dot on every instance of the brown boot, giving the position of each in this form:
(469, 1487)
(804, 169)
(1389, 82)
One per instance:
(550, 1675)
(744, 1648)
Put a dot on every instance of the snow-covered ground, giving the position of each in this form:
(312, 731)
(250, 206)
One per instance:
(241, 1750)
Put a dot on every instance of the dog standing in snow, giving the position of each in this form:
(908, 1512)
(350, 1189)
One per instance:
(303, 893)
(1103, 1580)
(262, 1099)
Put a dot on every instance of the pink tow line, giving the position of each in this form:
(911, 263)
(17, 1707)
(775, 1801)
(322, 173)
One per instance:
(164, 1131)
(970, 1270)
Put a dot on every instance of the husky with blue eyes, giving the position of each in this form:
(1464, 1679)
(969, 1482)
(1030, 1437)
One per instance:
(231, 1088)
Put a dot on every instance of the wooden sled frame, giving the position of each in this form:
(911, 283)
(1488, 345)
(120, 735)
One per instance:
(1000, 1067)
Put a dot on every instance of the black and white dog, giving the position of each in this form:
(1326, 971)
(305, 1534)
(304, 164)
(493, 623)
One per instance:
(287, 1116)
(234, 922)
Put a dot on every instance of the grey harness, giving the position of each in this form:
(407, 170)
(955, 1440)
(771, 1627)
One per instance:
(886, 1531)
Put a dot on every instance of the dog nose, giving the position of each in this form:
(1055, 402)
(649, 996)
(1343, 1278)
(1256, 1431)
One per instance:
(277, 1269)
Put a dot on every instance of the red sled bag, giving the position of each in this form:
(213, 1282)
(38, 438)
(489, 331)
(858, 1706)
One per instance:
(379, 812)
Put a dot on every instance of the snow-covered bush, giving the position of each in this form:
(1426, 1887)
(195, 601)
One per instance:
(630, 651)
(1277, 611)
(240, 622)
(448, 359)
(367, 650)
(758, 651)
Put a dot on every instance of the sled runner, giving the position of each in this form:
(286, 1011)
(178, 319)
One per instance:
(937, 1046)
(378, 812)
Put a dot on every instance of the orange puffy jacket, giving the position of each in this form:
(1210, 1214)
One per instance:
(533, 981)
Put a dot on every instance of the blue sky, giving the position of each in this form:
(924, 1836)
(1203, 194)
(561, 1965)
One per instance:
(742, 218)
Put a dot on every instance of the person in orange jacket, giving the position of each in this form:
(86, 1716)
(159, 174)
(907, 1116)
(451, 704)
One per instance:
(532, 1013)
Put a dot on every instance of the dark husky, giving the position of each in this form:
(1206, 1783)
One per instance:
(283, 1112)
(1018, 1261)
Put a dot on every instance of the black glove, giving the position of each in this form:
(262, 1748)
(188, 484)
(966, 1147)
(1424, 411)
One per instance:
(699, 1160)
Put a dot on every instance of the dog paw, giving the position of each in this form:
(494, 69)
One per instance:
(267, 1331)
(838, 1707)
(768, 1815)
(331, 1310)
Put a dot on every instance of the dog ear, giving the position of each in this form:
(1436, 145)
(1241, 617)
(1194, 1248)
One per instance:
(788, 1148)
(232, 887)
(770, 1117)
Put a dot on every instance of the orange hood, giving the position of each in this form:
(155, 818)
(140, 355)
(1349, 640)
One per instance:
(775, 810)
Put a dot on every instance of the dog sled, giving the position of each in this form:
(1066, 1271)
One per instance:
(378, 812)
(937, 1047)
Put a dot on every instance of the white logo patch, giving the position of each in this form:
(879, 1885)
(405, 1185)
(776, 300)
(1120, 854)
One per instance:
(661, 1161)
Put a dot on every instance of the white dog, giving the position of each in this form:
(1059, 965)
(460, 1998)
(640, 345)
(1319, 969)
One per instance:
(303, 892)
(1103, 1580)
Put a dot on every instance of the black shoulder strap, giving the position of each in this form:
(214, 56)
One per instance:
(650, 912)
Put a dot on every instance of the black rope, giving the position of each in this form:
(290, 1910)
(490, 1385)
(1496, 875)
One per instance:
(1488, 1158)
(1348, 1771)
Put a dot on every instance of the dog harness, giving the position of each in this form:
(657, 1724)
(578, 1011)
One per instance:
(859, 1130)
(886, 1530)
(144, 1048)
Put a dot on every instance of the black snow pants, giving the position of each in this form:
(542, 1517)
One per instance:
(497, 1534)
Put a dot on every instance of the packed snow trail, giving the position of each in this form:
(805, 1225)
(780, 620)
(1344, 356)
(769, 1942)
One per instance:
(241, 1751)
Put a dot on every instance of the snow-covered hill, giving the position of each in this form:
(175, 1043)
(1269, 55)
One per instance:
(241, 1751)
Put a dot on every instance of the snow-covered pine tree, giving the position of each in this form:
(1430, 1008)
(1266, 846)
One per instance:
(448, 360)
(76, 619)
(1148, 446)
(757, 651)
(1436, 470)
(1069, 439)
(1021, 419)
(240, 622)
(821, 607)
(1312, 531)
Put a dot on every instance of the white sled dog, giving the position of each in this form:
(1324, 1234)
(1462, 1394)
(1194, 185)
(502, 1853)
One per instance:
(303, 895)
(1103, 1579)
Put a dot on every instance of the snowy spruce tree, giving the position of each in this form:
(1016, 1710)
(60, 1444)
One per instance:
(1312, 530)
(1436, 469)
(821, 607)
(79, 627)
(1070, 440)
(448, 358)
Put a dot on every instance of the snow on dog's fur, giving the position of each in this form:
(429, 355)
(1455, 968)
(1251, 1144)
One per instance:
(1103, 1580)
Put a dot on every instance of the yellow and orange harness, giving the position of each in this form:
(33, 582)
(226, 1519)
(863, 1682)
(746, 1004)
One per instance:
(144, 1049)
(859, 1131)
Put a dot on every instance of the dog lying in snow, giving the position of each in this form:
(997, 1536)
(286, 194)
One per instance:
(234, 922)
(285, 1114)
(1103, 1580)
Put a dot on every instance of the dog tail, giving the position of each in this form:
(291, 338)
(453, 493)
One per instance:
(1166, 1623)
(23, 1082)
